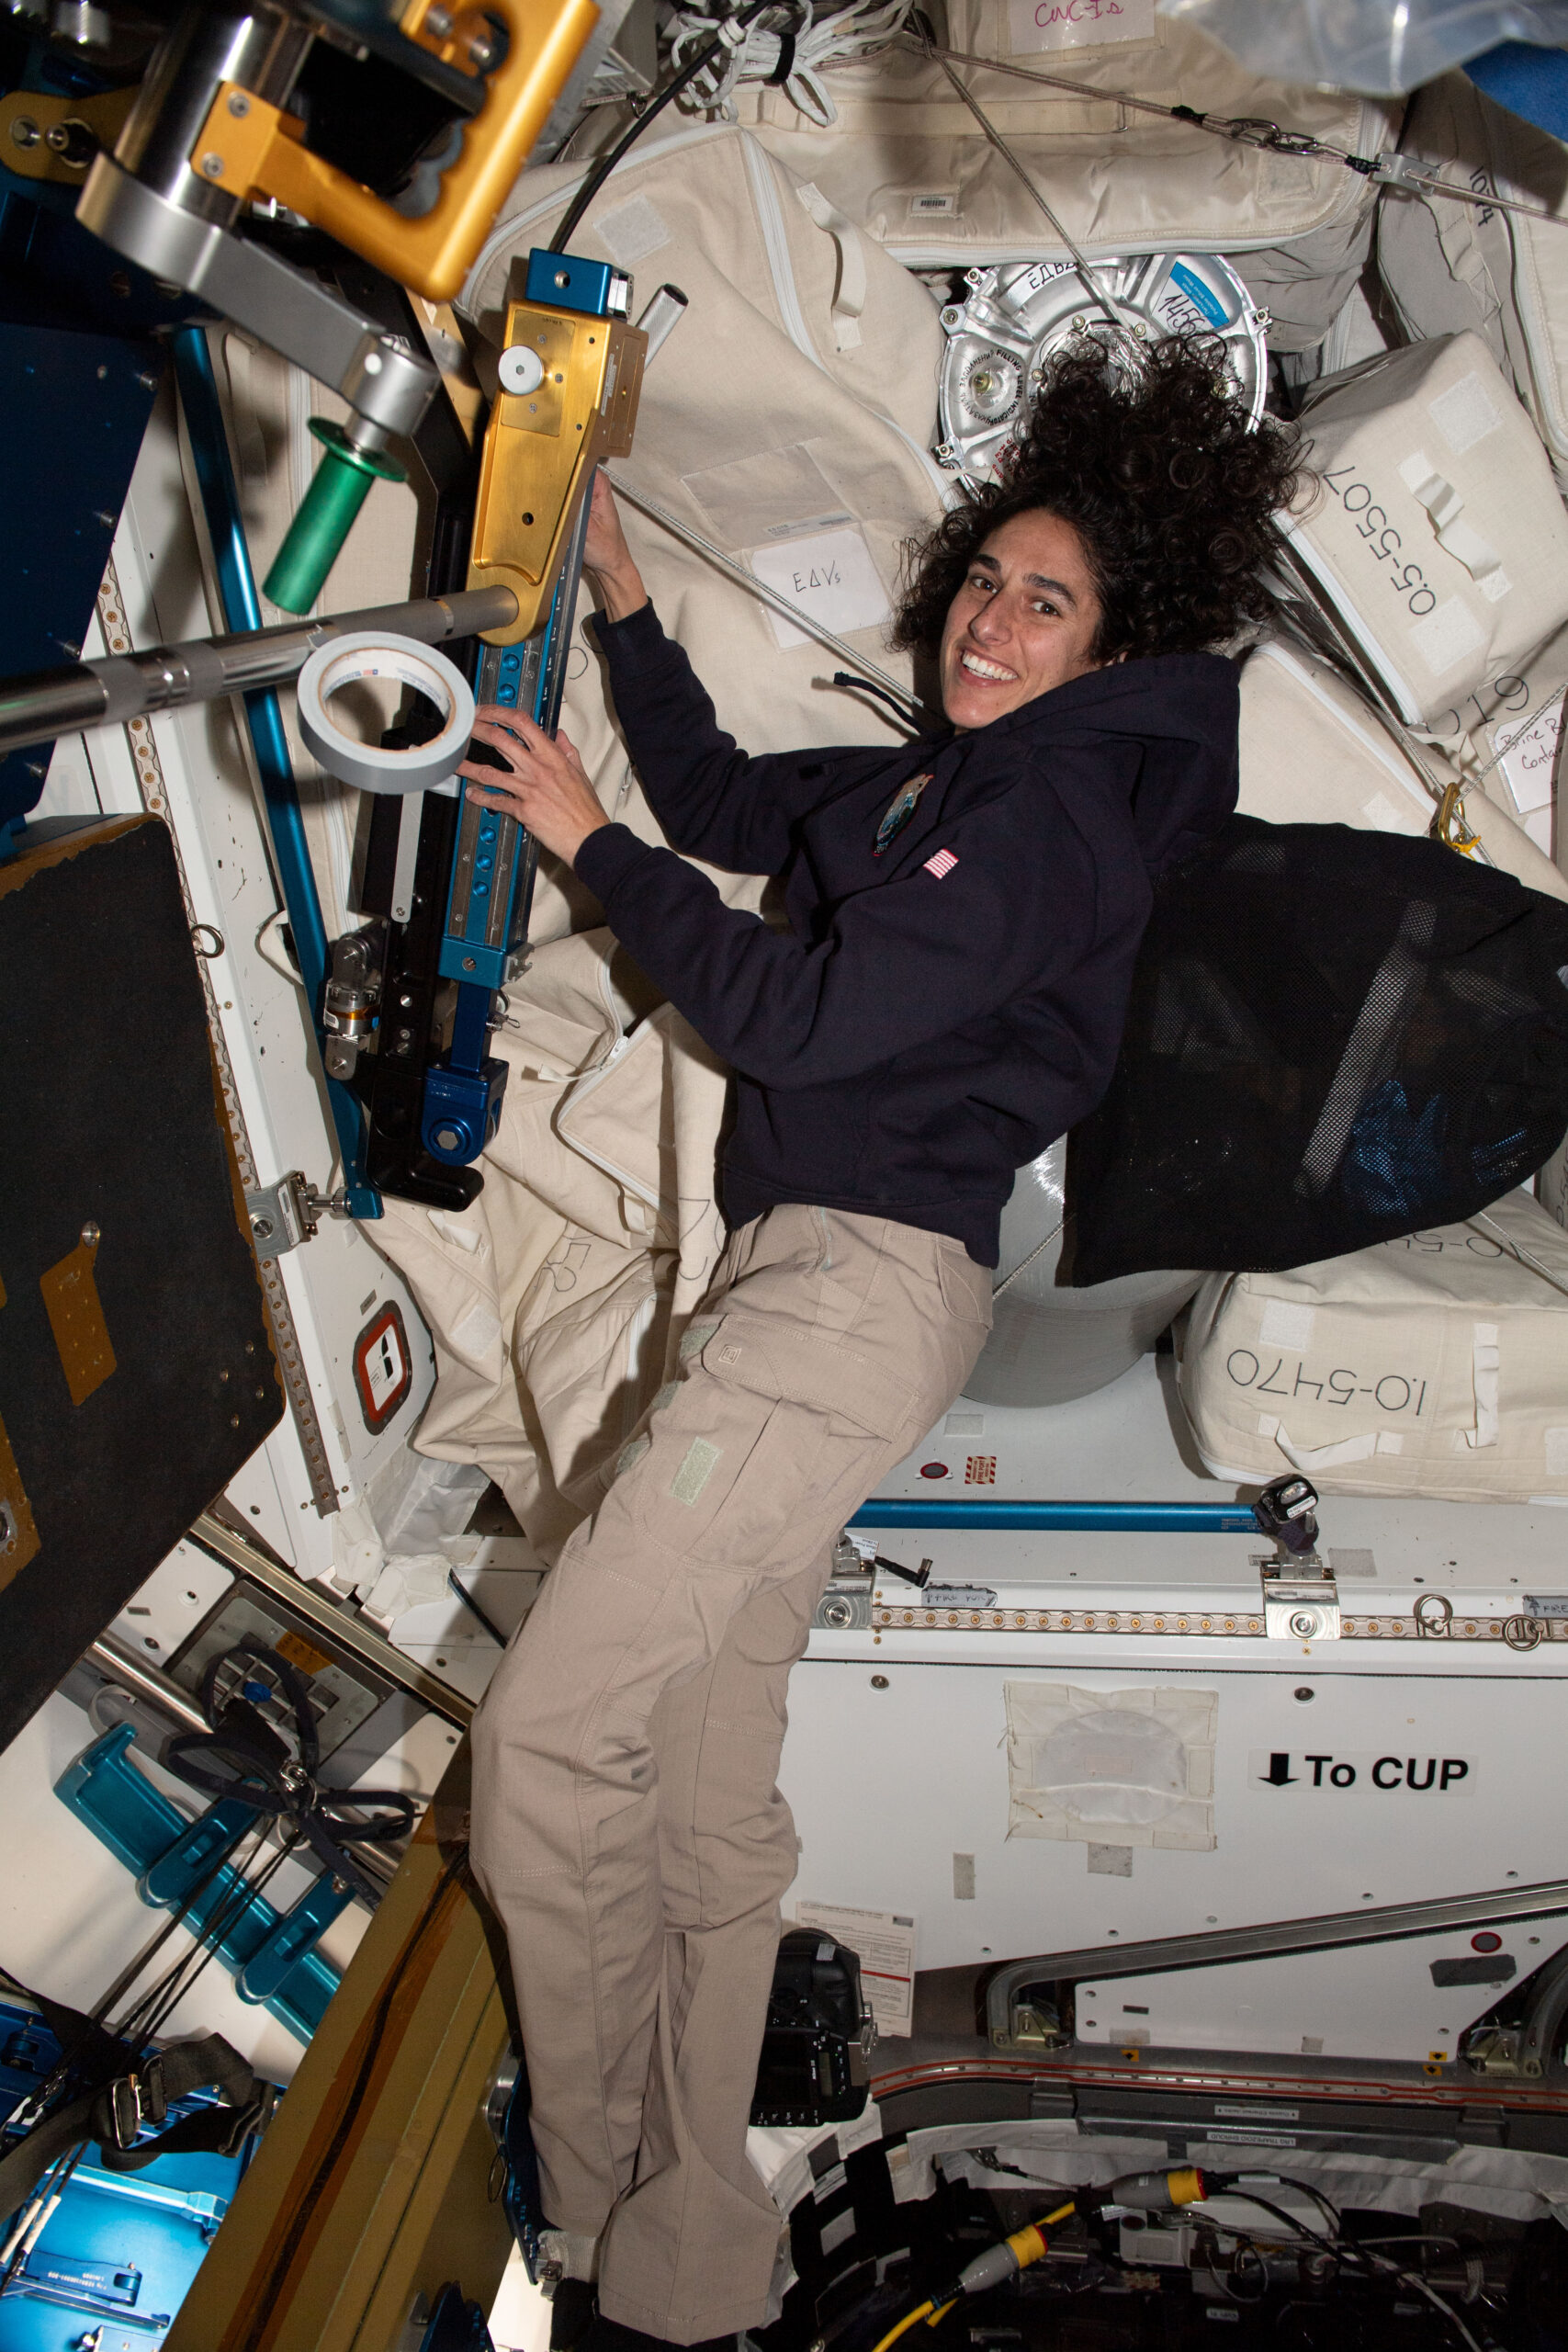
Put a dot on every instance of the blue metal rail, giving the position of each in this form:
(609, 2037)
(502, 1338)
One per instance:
(263, 714)
(1068, 1518)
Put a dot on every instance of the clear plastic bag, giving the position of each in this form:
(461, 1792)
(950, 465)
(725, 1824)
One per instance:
(1383, 47)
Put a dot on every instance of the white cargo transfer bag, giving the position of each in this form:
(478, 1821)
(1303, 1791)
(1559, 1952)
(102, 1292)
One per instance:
(907, 161)
(1435, 531)
(1435, 1365)
(1449, 265)
(1314, 752)
(786, 420)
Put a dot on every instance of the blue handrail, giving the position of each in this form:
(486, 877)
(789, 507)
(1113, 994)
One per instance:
(1102, 1519)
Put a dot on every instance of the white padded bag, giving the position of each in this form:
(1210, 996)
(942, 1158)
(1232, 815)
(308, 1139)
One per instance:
(1434, 530)
(786, 419)
(1449, 265)
(1314, 752)
(907, 162)
(1436, 1365)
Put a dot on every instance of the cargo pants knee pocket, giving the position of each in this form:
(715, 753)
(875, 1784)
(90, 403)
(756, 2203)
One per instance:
(780, 1426)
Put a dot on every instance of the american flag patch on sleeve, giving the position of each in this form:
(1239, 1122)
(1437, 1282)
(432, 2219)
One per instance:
(942, 863)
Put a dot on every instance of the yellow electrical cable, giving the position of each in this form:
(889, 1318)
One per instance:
(908, 2320)
(1028, 2245)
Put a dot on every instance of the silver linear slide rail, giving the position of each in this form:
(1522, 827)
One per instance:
(1328, 1931)
(352, 1635)
(44, 703)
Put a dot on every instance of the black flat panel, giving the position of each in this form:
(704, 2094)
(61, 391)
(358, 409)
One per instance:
(109, 1118)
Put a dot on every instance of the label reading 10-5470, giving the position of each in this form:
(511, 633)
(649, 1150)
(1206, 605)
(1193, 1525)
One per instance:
(1272, 1375)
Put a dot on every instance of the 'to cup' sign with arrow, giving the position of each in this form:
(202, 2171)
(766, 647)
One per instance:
(1363, 1770)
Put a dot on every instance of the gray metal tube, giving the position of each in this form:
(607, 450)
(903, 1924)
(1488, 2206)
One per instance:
(139, 1678)
(44, 703)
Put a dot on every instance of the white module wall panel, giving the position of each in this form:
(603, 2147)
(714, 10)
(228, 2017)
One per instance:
(1483, 1808)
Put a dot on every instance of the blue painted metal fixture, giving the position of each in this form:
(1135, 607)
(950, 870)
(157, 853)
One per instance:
(270, 1954)
(264, 718)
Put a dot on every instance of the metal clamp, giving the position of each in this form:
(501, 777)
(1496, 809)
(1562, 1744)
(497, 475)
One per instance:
(287, 1213)
(1300, 1600)
(135, 2099)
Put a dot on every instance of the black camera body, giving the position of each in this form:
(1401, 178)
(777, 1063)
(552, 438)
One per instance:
(819, 2038)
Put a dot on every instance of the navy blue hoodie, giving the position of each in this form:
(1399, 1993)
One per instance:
(936, 1016)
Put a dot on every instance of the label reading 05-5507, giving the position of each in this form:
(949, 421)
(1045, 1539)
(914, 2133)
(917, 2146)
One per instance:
(1383, 540)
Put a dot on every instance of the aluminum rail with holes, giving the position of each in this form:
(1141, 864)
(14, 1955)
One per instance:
(44, 703)
(1328, 1931)
(361, 1641)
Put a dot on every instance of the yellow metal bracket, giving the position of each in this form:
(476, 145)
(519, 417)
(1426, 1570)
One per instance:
(541, 447)
(45, 137)
(251, 149)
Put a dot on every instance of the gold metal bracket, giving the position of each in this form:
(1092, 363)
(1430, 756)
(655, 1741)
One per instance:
(541, 447)
(45, 137)
(250, 148)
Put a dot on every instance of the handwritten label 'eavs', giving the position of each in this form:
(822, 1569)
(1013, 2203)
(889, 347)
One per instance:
(828, 575)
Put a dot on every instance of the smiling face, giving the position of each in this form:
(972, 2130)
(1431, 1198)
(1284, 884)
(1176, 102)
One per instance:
(1023, 621)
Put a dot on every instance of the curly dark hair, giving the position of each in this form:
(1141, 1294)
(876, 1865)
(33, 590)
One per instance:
(1157, 472)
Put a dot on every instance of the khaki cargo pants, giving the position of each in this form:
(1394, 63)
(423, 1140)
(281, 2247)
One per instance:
(627, 1827)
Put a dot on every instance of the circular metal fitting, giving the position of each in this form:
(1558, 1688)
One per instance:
(1017, 315)
(519, 368)
(1434, 1613)
(1305, 1624)
(837, 1612)
(375, 653)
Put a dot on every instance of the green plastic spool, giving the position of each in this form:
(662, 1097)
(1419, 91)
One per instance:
(326, 516)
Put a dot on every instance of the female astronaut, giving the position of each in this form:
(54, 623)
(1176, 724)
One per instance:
(963, 914)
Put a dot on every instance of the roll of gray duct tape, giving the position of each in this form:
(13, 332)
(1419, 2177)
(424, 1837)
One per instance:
(1049, 1345)
(374, 653)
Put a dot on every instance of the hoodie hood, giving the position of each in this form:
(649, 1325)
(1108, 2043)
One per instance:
(1178, 713)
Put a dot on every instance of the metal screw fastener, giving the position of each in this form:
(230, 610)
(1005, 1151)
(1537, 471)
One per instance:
(92, 1233)
(438, 21)
(469, 965)
(262, 1227)
(1304, 1623)
(25, 131)
(481, 54)
(212, 167)
(448, 1139)
(8, 1528)
(239, 105)
(224, 1374)
(879, 1682)
(373, 363)
(1305, 1693)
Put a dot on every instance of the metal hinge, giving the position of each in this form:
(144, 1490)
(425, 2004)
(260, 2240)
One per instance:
(1301, 1599)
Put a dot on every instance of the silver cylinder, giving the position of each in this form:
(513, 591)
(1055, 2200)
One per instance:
(44, 703)
(212, 42)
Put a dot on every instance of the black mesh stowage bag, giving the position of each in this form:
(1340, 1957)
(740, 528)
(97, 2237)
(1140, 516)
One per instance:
(1333, 1038)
